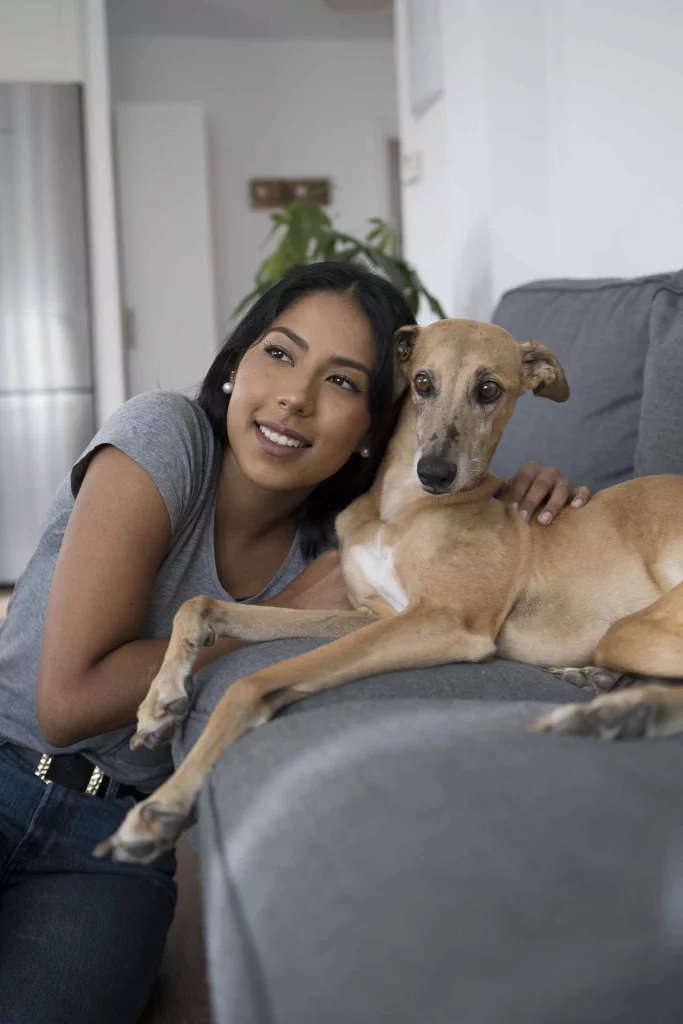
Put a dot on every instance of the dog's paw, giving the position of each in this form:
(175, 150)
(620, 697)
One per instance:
(593, 679)
(162, 712)
(148, 830)
(626, 715)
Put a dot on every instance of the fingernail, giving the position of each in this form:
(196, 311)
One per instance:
(514, 504)
(544, 517)
(525, 515)
(577, 503)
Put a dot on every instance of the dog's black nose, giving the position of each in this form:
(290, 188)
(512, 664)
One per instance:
(436, 473)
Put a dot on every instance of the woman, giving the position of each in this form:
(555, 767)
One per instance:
(233, 495)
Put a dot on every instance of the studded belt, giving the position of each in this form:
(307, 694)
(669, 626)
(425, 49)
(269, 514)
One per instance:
(75, 772)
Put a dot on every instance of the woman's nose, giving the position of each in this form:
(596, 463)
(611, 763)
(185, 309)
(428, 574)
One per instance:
(298, 398)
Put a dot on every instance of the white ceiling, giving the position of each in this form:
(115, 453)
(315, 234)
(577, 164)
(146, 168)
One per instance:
(247, 19)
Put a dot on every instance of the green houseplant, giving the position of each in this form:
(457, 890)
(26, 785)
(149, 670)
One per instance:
(304, 233)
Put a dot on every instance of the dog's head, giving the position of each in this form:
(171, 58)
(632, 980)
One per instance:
(464, 378)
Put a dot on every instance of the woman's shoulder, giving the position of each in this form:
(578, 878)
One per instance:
(172, 408)
(169, 435)
(168, 421)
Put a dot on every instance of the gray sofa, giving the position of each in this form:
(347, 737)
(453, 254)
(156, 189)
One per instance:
(401, 849)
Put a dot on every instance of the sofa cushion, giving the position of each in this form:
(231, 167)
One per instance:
(434, 861)
(601, 332)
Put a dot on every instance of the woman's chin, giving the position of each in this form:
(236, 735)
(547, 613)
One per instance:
(270, 473)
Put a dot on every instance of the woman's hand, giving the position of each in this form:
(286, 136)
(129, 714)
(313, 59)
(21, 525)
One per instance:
(320, 585)
(535, 488)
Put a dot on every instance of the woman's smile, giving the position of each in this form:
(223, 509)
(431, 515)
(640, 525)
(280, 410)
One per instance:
(280, 441)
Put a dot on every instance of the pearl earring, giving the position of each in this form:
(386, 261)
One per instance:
(364, 453)
(229, 384)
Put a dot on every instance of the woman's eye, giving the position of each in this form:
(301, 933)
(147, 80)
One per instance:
(423, 384)
(277, 352)
(489, 391)
(344, 382)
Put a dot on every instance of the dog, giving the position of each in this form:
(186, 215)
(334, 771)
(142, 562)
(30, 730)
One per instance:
(438, 570)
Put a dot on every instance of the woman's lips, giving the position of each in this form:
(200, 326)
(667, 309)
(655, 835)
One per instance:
(282, 430)
(280, 451)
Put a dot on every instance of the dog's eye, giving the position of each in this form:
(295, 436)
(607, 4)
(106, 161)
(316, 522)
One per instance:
(423, 384)
(489, 391)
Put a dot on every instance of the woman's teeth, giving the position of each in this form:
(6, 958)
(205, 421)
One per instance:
(281, 439)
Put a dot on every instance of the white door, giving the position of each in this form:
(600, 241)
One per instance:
(168, 269)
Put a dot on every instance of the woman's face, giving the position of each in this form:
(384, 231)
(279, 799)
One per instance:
(299, 405)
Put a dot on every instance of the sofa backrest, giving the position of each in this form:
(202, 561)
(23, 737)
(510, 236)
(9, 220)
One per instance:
(621, 345)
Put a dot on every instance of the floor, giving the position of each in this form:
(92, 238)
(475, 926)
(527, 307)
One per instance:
(4, 601)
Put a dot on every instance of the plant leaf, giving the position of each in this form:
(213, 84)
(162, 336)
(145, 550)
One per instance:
(307, 235)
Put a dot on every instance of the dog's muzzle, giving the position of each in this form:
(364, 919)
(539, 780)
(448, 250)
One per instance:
(435, 473)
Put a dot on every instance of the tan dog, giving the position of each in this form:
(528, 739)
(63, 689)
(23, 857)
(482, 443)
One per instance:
(438, 571)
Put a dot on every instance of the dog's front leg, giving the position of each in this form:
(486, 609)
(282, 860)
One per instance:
(416, 638)
(197, 624)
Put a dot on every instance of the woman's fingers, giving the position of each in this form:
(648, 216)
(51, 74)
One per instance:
(540, 492)
(531, 487)
(581, 496)
(515, 490)
(559, 497)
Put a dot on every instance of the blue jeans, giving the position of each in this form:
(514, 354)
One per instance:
(80, 938)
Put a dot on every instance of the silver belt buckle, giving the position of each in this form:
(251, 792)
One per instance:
(43, 768)
(95, 781)
(93, 784)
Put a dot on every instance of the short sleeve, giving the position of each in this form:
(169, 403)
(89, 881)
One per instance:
(167, 435)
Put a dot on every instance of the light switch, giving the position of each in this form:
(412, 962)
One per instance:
(411, 167)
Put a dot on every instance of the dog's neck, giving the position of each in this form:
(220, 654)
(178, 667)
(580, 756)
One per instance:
(397, 485)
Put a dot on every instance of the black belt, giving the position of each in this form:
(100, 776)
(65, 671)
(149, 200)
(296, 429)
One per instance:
(75, 772)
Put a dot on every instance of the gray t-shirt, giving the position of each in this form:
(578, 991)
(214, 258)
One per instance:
(170, 437)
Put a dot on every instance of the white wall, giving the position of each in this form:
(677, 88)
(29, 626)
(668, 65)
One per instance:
(41, 40)
(274, 108)
(427, 198)
(558, 150)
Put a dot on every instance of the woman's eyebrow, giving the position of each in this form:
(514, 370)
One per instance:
(293, 336)
(334, 361)
(351, 363)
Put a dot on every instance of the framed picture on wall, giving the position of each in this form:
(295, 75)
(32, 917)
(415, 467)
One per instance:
(425, 54)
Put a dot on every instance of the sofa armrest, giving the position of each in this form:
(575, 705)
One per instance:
(433, 861)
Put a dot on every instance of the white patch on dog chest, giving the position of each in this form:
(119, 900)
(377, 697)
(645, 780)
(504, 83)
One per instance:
(671, 568)
(376, 563)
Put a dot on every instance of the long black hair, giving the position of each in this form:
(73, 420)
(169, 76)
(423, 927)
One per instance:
(386, 311)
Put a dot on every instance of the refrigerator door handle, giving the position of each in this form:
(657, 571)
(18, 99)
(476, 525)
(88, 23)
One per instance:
(129, 331)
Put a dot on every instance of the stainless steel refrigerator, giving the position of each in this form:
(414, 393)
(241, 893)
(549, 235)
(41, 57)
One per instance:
(47, 411)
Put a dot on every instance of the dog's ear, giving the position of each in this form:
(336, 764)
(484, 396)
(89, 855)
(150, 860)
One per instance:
(403, 342)
(542, 372)
(404, 339)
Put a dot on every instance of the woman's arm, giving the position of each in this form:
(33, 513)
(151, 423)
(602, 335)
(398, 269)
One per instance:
(539, 489)
(93, 671)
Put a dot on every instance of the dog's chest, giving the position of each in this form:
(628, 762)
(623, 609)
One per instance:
(370, 568)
